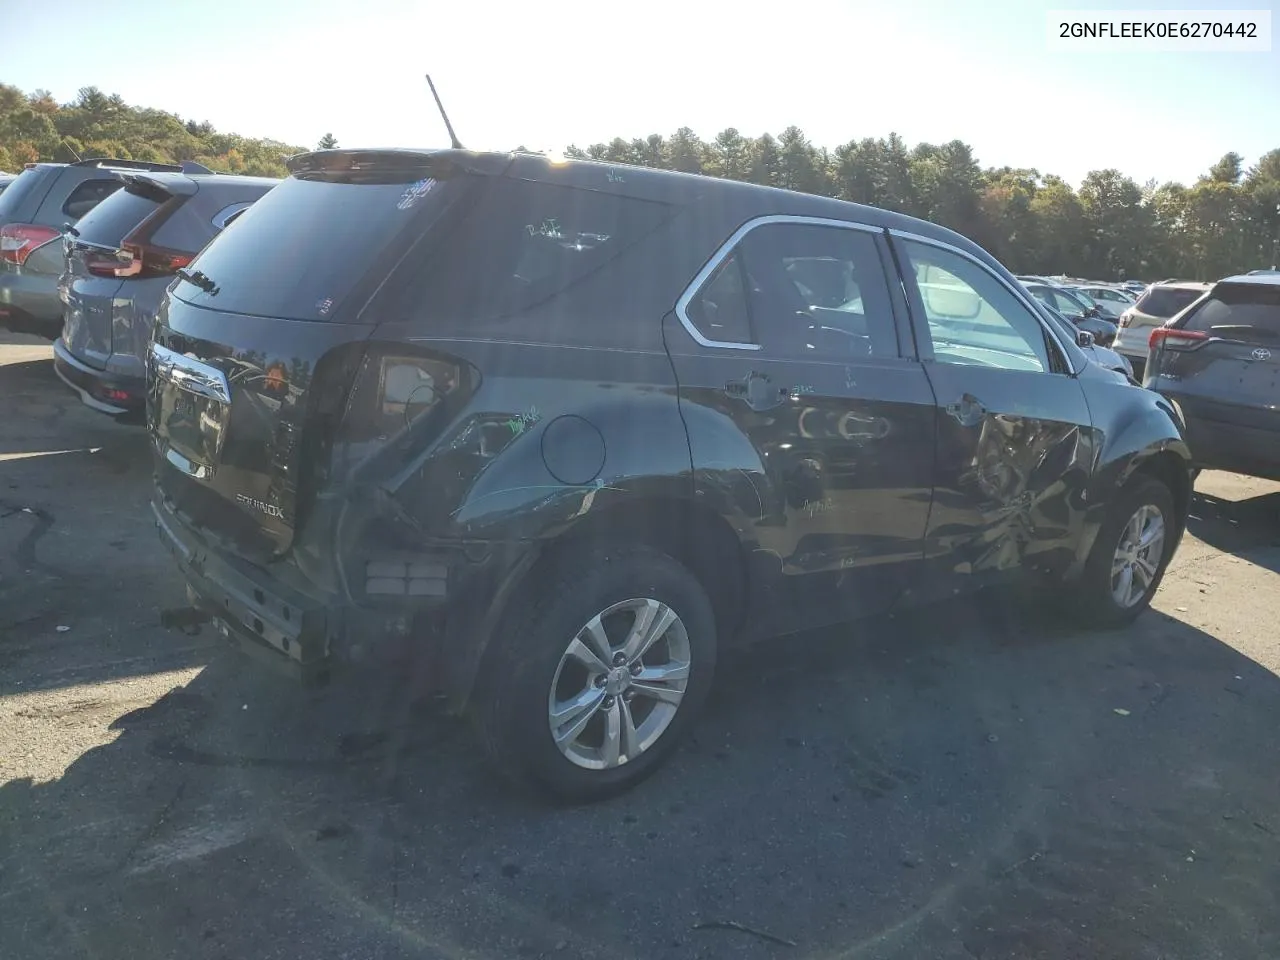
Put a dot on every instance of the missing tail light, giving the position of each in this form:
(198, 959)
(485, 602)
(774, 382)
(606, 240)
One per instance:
(1175, 338)
(18, 240)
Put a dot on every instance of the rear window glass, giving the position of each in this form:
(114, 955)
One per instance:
(187, 229)
(300, 250)
(88, 195)
(1164, 302)
(523, 243)
(24, 186)
(1239, 312)
(109, 222)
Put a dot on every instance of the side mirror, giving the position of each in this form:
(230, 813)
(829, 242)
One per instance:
(956, 303)
(1084, 338)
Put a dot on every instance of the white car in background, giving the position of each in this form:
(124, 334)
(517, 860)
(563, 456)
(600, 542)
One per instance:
(1160, 302)
(1112, 301)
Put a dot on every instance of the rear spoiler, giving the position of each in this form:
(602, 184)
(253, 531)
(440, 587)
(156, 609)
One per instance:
(159, 188)
(342, 164)
(187, 166)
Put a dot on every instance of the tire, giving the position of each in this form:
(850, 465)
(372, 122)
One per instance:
(528, 671)
(1095, 600)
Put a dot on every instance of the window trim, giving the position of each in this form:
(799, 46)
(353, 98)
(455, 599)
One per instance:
(229, 213)
(723, 252)
(1021, 296)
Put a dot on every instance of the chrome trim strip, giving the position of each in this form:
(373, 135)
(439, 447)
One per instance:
(1020, 295)
(723, 251)
(189, 374)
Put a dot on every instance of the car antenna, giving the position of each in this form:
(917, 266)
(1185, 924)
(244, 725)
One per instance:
(72, 149)
(453, 137)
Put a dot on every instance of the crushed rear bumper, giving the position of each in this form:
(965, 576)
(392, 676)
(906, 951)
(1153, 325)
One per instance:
(287, 630)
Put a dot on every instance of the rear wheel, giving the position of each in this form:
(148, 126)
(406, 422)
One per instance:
(1130, 555)
(592, 681)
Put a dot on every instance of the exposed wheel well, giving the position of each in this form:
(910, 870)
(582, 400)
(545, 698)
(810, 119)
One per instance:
(696, 536)
(1171, 470)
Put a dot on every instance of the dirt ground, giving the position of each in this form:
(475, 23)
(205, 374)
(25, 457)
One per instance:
(969, 781)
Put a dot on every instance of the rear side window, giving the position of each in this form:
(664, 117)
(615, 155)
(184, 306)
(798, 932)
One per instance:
(1239, 311)
(719, 309)
(26, 185)
(1164, 302)
(185, 229)
(109, 222)
(522, 243)
(301, 250)
(88, 195)
(818, 291)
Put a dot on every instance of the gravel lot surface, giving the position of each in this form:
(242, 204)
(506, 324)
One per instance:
(968, 781)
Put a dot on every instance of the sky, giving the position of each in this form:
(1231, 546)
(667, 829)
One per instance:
(548, 74)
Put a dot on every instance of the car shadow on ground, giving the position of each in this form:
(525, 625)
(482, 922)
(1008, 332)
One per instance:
(970, 780)
(1237, 526)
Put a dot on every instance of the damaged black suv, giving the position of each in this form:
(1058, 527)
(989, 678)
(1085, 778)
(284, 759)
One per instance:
(574, 429)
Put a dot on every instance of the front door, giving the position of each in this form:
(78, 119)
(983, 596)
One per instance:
(806, 414)
(1015, 440)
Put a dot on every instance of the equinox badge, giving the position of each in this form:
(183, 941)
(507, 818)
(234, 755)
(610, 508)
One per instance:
(270, 509)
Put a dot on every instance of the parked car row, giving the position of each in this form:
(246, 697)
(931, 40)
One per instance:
(87, 250)
(577, 431)
(42, 202)
(1212, 350)
(1218, 361)
(119, 260)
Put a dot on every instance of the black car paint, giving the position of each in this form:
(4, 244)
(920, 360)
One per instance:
(952, 475)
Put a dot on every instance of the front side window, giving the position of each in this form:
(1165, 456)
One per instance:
(973, 318)
(1066, 304)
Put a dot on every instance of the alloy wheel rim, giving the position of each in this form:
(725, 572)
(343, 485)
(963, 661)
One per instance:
(619, 684)
(1138, 555)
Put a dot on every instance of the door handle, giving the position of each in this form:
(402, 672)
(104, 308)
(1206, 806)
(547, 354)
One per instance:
(968, 411)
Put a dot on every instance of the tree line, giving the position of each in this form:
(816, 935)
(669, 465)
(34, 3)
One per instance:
(35, 127)
(1226, 222)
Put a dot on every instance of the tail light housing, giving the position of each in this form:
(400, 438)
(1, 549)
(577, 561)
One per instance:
(137, 259)
(17, 240)
(1175, 338)
(1125, 318)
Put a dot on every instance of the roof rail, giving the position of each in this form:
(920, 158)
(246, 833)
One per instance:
(129, 164)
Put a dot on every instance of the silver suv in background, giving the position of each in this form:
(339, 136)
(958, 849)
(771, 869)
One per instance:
(1111, 300)
(1219, 362)
(1160, 302)
(34, 210)
(118, 261)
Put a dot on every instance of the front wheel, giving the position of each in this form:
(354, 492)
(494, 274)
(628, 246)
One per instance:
(592, 682)
(1130, 555)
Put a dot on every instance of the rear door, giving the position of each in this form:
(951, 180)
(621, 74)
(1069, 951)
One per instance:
(801, 399)
(1014, 434)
